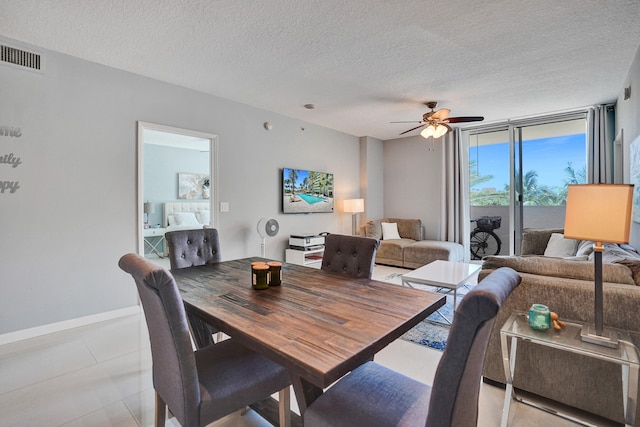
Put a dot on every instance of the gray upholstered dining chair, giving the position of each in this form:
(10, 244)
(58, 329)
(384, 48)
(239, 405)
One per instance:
(188, 248)
(373, 395)
(199, 386)
(350, 255)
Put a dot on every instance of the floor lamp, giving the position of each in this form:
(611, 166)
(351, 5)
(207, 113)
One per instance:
(354, 206)
(602, 213)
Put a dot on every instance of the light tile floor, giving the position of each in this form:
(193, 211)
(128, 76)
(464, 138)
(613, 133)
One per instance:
(100, 375)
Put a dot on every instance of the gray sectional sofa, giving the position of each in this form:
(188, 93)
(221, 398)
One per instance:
(410, 251)
(566, 286)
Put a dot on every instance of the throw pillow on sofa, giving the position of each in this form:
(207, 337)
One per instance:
(390, 231)
(558, 246)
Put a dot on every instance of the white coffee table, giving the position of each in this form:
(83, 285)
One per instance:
(442, 274)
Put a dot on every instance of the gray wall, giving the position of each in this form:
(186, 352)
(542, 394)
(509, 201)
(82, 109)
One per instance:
(74, 214)
(413, 181)
(371, 178)
(628, 119)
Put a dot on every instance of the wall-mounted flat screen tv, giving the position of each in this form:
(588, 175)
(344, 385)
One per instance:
(305, 191)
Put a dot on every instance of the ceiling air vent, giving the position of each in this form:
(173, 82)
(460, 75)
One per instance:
(20, 58)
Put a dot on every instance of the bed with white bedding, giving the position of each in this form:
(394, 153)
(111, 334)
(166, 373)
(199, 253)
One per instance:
(186, 215)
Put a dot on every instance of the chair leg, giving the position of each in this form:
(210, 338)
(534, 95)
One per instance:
(284, 406)
(219, 337)
(161, 411)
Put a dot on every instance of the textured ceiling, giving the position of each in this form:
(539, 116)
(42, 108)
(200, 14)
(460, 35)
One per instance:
(363, 63)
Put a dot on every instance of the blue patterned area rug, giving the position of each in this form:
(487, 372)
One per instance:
(434, 330)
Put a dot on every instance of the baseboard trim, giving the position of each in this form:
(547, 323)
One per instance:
(38, 331)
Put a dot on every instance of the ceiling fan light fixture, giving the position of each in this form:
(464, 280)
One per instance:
(428, 131)
(440, 131)
(435, 131)
(437, 122)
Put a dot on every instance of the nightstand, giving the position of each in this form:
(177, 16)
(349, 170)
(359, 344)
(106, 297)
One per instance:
(154, 240)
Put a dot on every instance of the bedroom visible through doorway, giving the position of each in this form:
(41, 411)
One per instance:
(177, 184)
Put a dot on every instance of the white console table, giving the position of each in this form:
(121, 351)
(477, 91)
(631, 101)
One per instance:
(154, 240)
(312, 258)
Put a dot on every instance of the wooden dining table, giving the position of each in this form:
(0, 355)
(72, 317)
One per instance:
(319, 325)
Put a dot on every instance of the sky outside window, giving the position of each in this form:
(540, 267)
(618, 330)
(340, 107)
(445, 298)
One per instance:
(547, 156)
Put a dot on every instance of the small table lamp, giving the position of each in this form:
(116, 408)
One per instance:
(354, 206)
(148, 208)
(602, 213)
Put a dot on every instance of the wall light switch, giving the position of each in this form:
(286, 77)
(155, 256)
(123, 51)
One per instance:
(224, 206)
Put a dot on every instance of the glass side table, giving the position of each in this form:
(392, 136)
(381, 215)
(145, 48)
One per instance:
(568, 339)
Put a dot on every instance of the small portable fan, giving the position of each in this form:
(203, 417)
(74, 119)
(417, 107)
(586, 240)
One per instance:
(267, 227)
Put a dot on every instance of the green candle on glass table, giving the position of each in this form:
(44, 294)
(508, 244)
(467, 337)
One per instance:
(539, 317)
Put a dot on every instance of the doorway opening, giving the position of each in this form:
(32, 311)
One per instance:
(177, 184)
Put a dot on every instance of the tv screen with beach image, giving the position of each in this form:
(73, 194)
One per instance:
(306, 191)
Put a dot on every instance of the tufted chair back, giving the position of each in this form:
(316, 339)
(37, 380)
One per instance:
(350, 255)
(188, 248)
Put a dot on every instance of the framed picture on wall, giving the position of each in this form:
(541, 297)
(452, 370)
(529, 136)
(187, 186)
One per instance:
(634, 175)
(194, 186)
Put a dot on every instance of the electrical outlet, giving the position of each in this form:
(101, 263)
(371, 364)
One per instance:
(224, 206)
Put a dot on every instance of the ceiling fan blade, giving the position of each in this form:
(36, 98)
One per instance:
(441, 114)
(417, 127)
(465, 119)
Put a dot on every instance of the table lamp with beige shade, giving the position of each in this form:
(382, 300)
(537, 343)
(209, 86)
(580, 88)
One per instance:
(602, 213)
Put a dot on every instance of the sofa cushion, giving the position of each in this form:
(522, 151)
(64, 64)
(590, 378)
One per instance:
(426, 251)
(390, 231)
(535, 240)
(373, 229)
(559, 246)
(393, 249)
(634, 266)
(407, 228)
(558, 267)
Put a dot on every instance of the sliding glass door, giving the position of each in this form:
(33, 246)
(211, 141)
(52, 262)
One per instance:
(519, 174)
(548, 156)
(489, 191)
